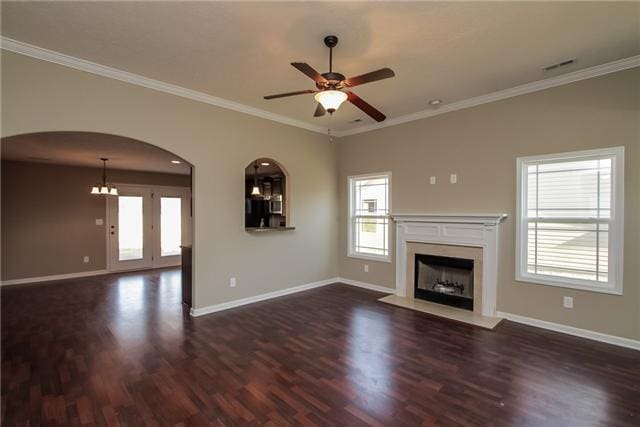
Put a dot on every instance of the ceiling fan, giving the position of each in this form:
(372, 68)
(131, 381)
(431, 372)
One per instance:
(332, 87)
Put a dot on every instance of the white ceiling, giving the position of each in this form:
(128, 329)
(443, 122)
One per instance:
(241, 51)
(86, 149)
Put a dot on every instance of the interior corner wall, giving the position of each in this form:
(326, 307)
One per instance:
(38, 96)
(49, 217)
(481, 145)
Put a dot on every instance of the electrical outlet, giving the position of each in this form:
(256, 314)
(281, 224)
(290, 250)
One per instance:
(567, 302)
(232, 282)
(366, 268)
(453, 178)
(85, 259)
(432, 180)
(99, 221)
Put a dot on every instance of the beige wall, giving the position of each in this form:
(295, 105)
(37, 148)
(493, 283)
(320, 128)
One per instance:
(40, 96)
(48, 217)
(481, 145)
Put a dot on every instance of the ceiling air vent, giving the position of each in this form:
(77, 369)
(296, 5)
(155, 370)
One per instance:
(559, 64)
(355, 121)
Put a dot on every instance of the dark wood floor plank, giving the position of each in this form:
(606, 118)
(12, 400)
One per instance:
(121, 350)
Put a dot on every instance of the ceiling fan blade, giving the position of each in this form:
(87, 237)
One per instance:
(366, 107)
(282, 95)
(320, 111)
(383, 73)
(309, 71)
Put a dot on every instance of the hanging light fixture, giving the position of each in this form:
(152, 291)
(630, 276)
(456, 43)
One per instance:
(331, 99)
(255, 191)
(104, 187)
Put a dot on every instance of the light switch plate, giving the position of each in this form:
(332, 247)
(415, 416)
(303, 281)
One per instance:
(432, 180)
(567, 302)
(232, 282)
(366, 268)
(85, 259)
(99, 221)
(453, 178)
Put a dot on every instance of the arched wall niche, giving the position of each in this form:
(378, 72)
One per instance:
(267, 193)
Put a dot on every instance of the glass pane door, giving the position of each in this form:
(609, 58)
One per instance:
(130, 228)
(170, 226)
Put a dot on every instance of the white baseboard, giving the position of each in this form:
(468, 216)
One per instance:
(583, 333)
(269, 295)
(54, 277)
(195, 312)
(365, 285)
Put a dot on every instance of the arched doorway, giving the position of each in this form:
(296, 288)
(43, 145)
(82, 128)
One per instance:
(58, 224)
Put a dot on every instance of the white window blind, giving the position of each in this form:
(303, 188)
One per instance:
(369, 216)
(568, 218)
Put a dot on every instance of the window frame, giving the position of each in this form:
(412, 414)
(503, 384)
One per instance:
(616, 224)
(351, 252)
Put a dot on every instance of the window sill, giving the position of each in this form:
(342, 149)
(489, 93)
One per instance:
(379, 258)
(541, 280)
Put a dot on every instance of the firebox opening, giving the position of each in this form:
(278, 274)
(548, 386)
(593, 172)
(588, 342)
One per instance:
(444, 280)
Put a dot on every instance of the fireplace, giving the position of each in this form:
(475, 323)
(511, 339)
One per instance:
(444, 280)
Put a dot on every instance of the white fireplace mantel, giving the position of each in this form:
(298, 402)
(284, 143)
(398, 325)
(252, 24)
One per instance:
(475, 230)
(488, 219)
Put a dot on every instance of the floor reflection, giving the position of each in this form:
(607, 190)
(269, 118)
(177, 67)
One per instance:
(129, 325)
(370, 363)
(145, 307)
(131, 296)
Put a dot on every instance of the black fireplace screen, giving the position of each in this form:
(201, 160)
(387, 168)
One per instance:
(444, 280)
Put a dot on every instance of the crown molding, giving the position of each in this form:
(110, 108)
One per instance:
(135, 79)
(575, 76)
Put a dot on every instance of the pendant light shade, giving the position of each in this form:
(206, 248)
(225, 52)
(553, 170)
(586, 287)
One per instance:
(331, 99)
(104, 187)
(255, 191)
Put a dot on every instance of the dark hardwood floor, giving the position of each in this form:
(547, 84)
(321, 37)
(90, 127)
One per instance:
(120, 350)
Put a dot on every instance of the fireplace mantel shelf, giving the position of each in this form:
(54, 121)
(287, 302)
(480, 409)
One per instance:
(487, 219)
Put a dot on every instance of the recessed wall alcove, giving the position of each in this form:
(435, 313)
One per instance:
(266, 195)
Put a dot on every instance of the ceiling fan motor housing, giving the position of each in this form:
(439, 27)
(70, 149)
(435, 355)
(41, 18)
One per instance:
(334, 81)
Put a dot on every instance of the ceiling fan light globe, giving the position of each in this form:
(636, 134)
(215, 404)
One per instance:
(330, 99)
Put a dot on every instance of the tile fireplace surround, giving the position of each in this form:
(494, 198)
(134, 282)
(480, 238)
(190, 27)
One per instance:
(472, 236)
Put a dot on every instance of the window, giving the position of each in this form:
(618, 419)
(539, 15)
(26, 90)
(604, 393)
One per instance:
(570, 220)
(170, 226)
(369, 204)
